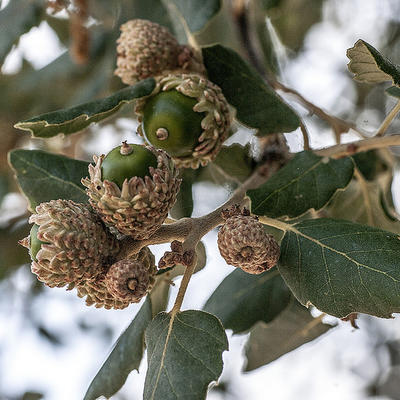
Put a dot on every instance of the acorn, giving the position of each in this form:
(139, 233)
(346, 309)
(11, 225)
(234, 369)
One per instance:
(35, 243)
(243, 243)
(68, 243)
(132, 188)
(127, 281)
(187, 116)
(146, 49)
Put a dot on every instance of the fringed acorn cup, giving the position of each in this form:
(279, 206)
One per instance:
(133, 188)
(146, 49)
(187, 116)
(68, 243)
(127, 281)
(243, 243)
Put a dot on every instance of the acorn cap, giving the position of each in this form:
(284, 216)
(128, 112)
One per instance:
(210, 101)
(141, 206)
(131, 279)
(243, 243)
(146, 49)
(113, 289)
(77, 247)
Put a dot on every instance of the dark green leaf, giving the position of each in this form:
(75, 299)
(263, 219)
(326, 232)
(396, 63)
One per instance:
(257, 105)
(290, 330)
(243, 299)
(195, 13)
(367, 163)
(235, 161)
(44, 176)
(308, 181)
(183, 206)
(370, 66)
(12, 254)
(128, 350)
(184, 353)
(75, 119)
(341, 267)
(393, 91)
(124, 358)
(17, 18)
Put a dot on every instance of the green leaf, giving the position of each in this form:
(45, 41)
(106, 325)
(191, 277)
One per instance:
(44, 176)
(294, 327)
(243, 299)
(17, 18)
(128, 350)
(184, 353)
(257, 105)
(75, 119)
(370, 66)
(235, 161)
(183, 206)
(124, 358)
(193, 13)
(341, 267)
(306, 182)
(12, 254)
(393, 91)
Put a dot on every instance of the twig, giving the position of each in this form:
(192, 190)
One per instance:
(306, 140)
(184, 284)
(388, 120)
(338, 125)
(346, 149)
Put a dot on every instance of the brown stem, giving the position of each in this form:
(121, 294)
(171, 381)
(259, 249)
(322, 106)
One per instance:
(338, 125)
(346, 149)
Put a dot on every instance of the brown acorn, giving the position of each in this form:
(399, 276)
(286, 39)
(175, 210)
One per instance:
(243, 243)
(68, 243)
(147, 49)
(127, 281)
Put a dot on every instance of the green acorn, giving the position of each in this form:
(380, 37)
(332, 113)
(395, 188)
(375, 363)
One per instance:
(187, 116)
(68, 243)
(135, 189)
(34, 243)
(126, 161)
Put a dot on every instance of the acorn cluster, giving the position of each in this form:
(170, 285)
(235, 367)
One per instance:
(186, 114)
(184, 122)
(130, 191)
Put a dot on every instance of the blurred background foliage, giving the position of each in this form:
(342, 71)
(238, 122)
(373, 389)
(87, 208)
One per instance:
(275, 35)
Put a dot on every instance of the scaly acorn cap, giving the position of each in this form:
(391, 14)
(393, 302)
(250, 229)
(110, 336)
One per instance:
(131, 279)
(77, 245)
(141, 206)
(243, 243)
(146, 49)
(108, 289)
(210, 101)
